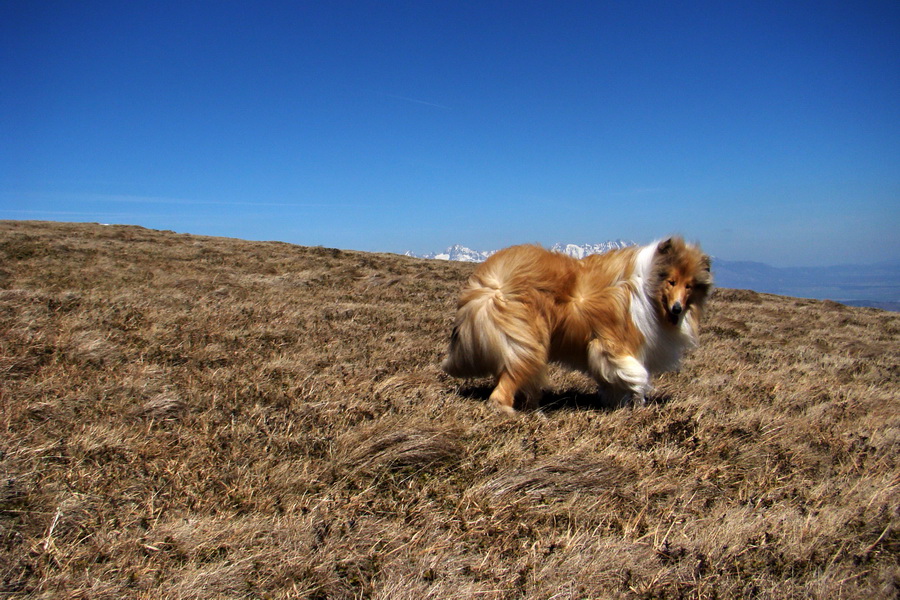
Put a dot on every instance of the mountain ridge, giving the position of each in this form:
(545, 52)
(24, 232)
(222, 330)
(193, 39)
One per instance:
(460, 253)
(876, 285)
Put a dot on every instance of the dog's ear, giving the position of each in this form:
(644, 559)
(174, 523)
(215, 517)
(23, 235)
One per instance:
(664, 247)
(705, 277)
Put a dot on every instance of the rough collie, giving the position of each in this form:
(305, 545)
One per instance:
(620, 317)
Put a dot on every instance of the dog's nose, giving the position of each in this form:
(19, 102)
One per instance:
(677, 308)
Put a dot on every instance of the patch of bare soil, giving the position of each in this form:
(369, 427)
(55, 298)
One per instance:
(193, 417)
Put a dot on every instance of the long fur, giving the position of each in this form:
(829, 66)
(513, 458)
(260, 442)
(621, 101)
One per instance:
(621, 317)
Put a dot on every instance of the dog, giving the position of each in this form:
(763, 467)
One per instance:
(621, 317)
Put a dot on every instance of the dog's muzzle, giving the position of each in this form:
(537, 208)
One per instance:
(675, 312)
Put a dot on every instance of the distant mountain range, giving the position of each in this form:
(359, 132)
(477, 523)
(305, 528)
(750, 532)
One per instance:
(857, 285)
(463, 254)
(457, 253)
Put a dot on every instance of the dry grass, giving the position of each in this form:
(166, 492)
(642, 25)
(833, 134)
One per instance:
(190, 417)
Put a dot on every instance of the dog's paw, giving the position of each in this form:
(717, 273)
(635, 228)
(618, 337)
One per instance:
(502, 408)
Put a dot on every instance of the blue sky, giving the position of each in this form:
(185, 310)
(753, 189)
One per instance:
(768, 131)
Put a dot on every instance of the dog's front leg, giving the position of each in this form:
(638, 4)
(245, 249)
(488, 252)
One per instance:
(623, 376)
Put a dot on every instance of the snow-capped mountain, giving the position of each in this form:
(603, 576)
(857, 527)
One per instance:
(455, 252)
(463, 254)
(582, 250)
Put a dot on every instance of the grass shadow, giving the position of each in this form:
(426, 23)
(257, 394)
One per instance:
(553, 401)
(591, 401)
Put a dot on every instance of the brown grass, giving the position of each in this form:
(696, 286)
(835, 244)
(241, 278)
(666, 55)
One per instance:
(191, 417)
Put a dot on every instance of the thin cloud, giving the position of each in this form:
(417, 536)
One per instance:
(415, 101)
(63, 213)
(640, 191)
(129, 199)
(161, 200)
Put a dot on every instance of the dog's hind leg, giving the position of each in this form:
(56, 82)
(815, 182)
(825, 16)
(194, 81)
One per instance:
(509, 384)
(504, 395)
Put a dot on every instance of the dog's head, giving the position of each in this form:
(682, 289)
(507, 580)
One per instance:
(683, 280)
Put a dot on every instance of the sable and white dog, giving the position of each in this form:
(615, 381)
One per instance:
(620, 317)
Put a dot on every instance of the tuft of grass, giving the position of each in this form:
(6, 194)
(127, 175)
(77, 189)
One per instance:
(195, 417)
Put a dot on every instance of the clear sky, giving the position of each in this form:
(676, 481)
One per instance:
(768, 131)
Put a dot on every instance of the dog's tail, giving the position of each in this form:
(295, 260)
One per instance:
(494, 332)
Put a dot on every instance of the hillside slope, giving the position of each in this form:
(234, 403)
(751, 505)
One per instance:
(193, 417)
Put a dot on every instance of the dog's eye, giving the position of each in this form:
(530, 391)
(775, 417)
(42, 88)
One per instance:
(688, 287)
(671, 282)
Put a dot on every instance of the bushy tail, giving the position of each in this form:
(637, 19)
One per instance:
(495, 333)
(475, 344)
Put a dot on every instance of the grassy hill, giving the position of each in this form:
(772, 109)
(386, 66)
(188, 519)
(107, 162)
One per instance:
(194, 417)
